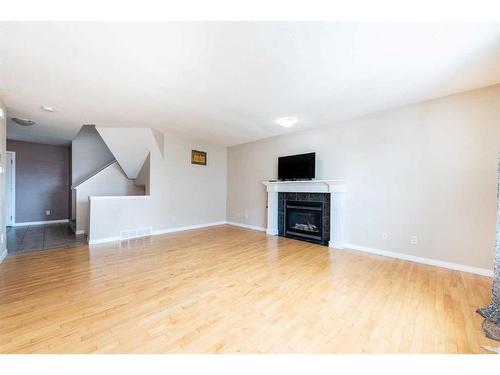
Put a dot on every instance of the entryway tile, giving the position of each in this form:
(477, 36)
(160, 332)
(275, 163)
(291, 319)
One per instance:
(26, 239)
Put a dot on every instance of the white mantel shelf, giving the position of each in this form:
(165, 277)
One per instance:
(337, 190)
(307, 186)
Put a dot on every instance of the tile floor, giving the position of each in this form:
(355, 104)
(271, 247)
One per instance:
(30, 238)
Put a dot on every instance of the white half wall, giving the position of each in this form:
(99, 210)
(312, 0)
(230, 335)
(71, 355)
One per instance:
(111, 215)
(111, 181)
(144, 176)
(426, 170)
(182, 195)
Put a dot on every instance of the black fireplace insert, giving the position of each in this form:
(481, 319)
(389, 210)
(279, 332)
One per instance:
(304, 220)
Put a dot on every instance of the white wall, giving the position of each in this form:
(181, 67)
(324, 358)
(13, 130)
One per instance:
(130, 146)
(427, 169)
(109, 182)
(144, 176)
(3, 124)
(89, 153)
(181, 194)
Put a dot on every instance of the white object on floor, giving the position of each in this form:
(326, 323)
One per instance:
(491, 348)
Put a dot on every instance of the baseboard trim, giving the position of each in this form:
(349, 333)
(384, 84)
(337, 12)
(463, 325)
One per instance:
(417, 259)
(3, 255)
(336, 245)
(40, 222)
(246, 226)
(190, 227)
(104, 240)
(158, 232)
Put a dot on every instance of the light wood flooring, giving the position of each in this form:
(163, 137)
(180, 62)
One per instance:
(230, 290)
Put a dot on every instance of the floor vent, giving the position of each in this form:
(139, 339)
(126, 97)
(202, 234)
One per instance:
(135, 233)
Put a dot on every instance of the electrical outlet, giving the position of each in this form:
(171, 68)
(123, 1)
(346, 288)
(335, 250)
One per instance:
(246, 215)
(48, 212)
(385, 235)
(413, 240)
(238, 214)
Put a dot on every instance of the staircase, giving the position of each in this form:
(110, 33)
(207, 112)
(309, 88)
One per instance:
(109, 162)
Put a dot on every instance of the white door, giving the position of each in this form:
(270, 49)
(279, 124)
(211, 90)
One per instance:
(10, 188)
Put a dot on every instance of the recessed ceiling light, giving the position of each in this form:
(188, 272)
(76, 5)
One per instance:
(23, 121)
(2, 115)
(47, 108)
(286, 122)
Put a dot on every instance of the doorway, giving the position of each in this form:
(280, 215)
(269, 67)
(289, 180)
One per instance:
(10, 188)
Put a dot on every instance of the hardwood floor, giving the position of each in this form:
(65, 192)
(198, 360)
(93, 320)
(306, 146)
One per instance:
(227, 290)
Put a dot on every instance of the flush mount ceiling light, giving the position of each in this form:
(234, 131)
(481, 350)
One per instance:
(23, 121)
(46, 108)
(286, 122)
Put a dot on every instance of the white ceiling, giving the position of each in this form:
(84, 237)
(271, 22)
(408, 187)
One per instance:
(227, 82)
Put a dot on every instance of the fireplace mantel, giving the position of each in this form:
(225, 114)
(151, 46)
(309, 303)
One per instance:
(337, 190)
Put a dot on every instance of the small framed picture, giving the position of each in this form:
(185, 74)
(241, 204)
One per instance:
(198, 157)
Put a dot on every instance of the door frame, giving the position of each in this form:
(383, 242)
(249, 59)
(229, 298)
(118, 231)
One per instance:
(13, 182)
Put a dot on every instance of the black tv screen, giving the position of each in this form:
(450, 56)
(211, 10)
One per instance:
(297, 167)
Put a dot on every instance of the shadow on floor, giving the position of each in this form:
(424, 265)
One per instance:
(24, 239)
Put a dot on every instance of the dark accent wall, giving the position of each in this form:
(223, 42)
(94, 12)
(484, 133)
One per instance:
(42, 181)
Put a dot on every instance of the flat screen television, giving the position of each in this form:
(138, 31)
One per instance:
(297, 167)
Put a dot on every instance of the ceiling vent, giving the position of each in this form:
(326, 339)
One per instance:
(23, 121)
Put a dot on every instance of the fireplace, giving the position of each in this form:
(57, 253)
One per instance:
(330, 193)
(304, 216)
(304, 220)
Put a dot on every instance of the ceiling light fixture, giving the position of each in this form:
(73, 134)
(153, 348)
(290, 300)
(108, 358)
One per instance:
(47, 108)
(286, 122)
(23, 121)
(2, 114)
